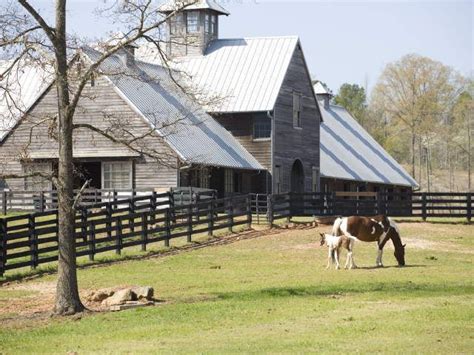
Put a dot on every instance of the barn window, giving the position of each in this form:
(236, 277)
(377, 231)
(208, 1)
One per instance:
(117, 175)
(37, 183)
(214, 24)
(192, 21)
(207, 23)
(262, 127)
(177, 23)
(297, 109)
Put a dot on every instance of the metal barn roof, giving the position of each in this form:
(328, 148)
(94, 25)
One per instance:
(25, 84)
(174, 5)
(195, 136)
(348, 152)
(236, 75)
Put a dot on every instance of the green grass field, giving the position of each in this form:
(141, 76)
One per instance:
(271, 295)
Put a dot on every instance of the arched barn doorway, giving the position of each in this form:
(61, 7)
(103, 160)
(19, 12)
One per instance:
(297, 177)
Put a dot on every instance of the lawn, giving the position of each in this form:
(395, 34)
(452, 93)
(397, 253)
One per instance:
(271, 294)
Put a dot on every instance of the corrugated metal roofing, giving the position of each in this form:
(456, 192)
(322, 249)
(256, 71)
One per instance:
(25, 83)
(236, 75)
(174, 5)
(348, 152)
(187, 128)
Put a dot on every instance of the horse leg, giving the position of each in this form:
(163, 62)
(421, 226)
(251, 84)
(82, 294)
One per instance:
(381, 244)
(336, 258)
(329, 258)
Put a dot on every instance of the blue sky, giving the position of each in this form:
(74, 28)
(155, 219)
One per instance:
(343, 41)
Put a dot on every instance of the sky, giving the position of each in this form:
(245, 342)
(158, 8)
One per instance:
(343, 41)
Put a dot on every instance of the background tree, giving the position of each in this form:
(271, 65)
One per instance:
(415, 93)
(353, 98)
(28, 37)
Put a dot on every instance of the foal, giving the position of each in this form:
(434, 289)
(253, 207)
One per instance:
(334, 244)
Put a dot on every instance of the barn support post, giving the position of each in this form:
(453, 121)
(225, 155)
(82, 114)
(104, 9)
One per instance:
(91, 240)
(291, 200)
(3, 245)
(469, 207)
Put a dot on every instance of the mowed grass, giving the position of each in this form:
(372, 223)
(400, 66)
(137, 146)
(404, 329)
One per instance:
(273, 295)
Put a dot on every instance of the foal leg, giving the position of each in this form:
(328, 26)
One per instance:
(336, 258)
(329, 258)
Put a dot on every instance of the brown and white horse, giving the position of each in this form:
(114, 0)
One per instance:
(372, 229)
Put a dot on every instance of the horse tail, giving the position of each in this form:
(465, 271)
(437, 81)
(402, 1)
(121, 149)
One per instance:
(336, 226)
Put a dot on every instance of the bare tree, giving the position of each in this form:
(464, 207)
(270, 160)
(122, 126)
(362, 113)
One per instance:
(27, 37)
(416, 93)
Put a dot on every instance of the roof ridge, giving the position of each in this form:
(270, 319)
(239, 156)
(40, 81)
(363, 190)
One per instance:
(259, 37)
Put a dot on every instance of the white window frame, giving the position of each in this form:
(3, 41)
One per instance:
(130, 174)
(254, 122)
(214, 24)
(207, 23)
(297, 109)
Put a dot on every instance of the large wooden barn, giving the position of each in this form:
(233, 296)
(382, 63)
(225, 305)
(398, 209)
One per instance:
(256, 127)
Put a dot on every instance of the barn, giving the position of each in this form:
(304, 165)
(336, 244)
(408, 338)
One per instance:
(254, 123)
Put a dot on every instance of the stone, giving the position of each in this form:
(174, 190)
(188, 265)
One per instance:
(145, 292)
(119, 297)
(130, 305)
(101, 295)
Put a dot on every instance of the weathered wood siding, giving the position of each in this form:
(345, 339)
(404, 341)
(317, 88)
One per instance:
(241, 127)
(296, 143)
(102, 107)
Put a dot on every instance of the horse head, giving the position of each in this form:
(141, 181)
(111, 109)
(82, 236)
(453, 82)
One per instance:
(323, 239)
(400, 255)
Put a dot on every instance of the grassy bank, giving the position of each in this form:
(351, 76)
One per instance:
(270, 294)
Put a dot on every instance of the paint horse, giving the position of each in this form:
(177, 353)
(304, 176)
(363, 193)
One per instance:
(334, 244)
(374, 229)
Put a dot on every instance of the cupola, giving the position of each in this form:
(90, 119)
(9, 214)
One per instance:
(192, 25)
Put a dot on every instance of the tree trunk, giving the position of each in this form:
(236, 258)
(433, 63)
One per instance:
(67, 293)
(413, 141)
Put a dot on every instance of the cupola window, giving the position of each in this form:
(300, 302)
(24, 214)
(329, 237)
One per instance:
(193, 21)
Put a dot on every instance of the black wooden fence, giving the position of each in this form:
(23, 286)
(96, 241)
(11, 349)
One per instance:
(47, 200)
(422, 205)
(31, 240)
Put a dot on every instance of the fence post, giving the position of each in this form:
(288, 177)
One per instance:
(290, 207)
(249, 211)
(190, 223)
(33, 239)
(469, 207)
(198, 198)
(4, 202)
(3, 245)
(210, 218)
(108, 224)
(41, 201)
(91, 240)
(115, 198)
(230, 219)
(172, 205)
(84, 224)
(118, 236)
(423, 206)
(131, 207)
(167, 227)
(145, 230)
(270, 210)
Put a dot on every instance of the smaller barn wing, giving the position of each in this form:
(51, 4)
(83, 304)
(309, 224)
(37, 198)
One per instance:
(348, 152)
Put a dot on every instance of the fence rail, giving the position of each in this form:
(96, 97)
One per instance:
(423, 205)
(31, 240)
(41, 201)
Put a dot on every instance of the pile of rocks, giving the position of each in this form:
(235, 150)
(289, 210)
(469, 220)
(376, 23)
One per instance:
(125, 298)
